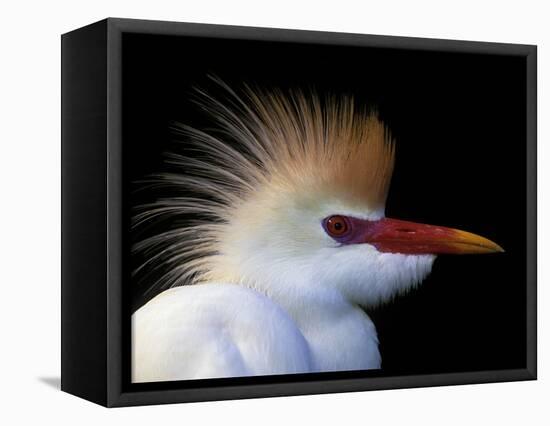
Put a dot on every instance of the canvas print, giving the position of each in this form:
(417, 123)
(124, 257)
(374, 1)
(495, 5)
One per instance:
(305, 218)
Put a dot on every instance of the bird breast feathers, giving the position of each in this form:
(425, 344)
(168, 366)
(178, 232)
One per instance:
(214, 330)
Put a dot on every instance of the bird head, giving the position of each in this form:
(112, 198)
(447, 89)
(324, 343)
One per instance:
(292, 192)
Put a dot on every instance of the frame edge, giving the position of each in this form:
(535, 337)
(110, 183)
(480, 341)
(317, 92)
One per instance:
(83, 255)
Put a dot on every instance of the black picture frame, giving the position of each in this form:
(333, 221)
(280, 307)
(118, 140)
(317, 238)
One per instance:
(94, 357)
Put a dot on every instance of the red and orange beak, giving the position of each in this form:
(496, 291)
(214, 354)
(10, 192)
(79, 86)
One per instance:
(399, 236)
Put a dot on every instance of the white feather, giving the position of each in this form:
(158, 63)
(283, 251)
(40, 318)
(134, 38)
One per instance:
(223, 330)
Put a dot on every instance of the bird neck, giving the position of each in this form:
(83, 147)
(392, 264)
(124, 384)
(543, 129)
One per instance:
(339, 333)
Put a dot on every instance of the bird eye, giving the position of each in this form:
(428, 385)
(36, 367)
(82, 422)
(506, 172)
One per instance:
(336, 226)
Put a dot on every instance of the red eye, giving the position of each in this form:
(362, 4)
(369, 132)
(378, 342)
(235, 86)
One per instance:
(336, 226)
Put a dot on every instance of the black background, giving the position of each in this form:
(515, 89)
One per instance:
(459, 124)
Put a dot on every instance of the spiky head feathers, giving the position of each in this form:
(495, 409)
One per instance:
(266, 152)
(305, 143)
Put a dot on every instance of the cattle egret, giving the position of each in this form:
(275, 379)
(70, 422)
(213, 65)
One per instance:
(278, 242)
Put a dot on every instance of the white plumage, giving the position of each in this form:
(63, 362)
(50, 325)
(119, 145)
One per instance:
(287, 246)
